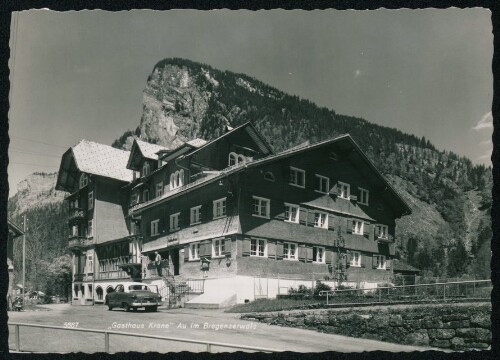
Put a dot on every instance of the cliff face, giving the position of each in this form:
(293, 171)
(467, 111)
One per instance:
(37, 190)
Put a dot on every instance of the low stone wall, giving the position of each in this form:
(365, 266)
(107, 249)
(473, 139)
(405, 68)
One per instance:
(454, 326)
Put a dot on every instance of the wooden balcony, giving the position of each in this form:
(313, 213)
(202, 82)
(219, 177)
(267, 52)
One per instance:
(385, 240)
(79, 242)
(76, 214)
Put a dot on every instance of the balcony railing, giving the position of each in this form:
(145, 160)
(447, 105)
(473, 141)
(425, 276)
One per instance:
(76, 214)
(79, 242)
(110, 268)
(385, 240)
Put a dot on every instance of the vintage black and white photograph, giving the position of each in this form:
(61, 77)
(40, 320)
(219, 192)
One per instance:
(256, 181)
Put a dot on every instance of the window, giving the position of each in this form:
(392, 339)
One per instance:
(219, 208)
(90, 264)
(321, 220)
(345, 190)
(195, 217)
(322, 184)
(91, 200)
(233, 159)
(89, 293)
(261, 207)
(382, 231)
(218, 248)
(357, 227)
(236, 159)
(177, 179)
(291, 213)
(363, 196)
(145, 195)
(355, 259)
(155, 227)
(269, 176)
(99, 293)
(297, 177)
(258, 247)
(159, 189)
(194, 251)
(145, 169)
(380, 261)
(90, 230)
(84, 180)
(174, 222)
(318, 254)
(290, 251)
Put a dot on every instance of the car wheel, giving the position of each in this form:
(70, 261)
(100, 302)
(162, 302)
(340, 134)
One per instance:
(110, 307)
(153, 308)
(126, 306)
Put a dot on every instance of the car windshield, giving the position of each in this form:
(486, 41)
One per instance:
(138, 288)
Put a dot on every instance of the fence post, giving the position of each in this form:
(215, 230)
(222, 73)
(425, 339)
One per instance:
(327, 297)
(379, 295)
(18, 340)
(106, 342)
(444, 291)
(209, 347)
(474, 288)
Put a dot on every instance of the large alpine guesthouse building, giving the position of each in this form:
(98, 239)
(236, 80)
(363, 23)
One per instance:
(230, 213)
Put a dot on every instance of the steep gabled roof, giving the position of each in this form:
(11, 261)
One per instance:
(259, 140)
(149, 150)
(92, 158)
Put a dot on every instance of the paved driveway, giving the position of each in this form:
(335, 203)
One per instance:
(180, 323)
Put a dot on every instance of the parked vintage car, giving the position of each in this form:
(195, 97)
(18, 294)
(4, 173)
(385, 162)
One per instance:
(133, 295)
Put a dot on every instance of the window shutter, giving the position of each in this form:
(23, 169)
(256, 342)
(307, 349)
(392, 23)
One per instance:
(310, 218)
(271, 250)
(186, 253)
(343, 263)
(366, 229)
(302, 253)
(331, 219)
(348, 259)
(303, 216)
(377, 230)
(309, 254)
(227, 246)
(363, 260)
(206, 249)
(388, 264)
(374, 261)
(349, 226)
(329, 257)
(246, 247)
(279, 251)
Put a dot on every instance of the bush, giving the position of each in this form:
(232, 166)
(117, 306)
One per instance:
(321, 287)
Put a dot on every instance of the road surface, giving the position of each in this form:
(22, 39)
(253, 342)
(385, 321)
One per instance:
(180, 323)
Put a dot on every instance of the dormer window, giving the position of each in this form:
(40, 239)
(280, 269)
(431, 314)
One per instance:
(297, 177)
(177, 179)
(84, 180)
(146, 169)
(233, 159)
(236, 159)
(269, 176)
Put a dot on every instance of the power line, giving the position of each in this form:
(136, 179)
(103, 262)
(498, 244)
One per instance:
(40, 142)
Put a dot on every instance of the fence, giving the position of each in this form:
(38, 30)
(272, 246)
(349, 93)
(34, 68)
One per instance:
(208, 344)
(442, 291)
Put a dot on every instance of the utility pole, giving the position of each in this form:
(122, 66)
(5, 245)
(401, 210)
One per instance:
(24, 254)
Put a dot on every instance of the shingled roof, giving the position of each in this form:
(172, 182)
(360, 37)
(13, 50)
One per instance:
(92, 158)
(149, 150)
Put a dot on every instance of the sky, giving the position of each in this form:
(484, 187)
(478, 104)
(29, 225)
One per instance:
(81, 74)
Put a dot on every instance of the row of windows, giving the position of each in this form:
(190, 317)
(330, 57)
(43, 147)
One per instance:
(176, 181)
(218, 211)
(261, 208)
(218, 249)
(85, 232)
(322, 185)
(258, 248)
(380, 260)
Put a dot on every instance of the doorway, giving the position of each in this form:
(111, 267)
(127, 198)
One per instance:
(174, 259)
